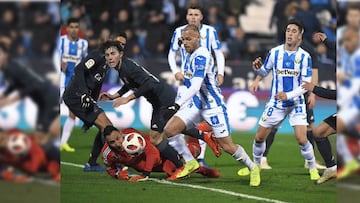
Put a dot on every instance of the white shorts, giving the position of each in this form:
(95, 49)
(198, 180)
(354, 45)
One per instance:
(349, 114)
(216, 117)
(272, 116)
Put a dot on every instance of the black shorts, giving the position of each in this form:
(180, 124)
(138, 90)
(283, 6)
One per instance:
(331, 121)
(46, 115)
(48, 108)
(160, 104)
(88, 116)
(309, 112)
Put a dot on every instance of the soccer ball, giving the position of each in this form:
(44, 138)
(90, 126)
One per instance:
(18, 143)
(134, 144)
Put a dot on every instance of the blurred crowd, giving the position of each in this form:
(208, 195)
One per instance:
(31, 28)
(150, 24)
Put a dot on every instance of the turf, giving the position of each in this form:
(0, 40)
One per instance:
(288, 181)
(29, 192)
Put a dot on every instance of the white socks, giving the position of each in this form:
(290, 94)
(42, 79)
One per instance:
(179, 144)
(258, 151)
(67, 129)
(307, 152)
(241, 155)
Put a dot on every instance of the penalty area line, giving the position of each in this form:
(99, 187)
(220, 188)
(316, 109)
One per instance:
(162, 181)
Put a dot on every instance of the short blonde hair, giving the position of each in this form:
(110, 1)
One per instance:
(193, 28)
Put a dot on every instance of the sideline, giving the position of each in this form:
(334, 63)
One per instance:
(162, 181)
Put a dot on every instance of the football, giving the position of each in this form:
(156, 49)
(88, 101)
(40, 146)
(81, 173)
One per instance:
(18, 143)
(134, 144)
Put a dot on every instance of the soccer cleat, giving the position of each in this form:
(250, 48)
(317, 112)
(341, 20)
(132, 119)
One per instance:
(255, 176)
(210, 139)
(264, 163)
(190, 167)
(95, 168)
(243, 171)
(314, 174)
(328, 174)
(208, 172)
(66, 147)
(348, 169)
(317, 164)
(186, 170)
(174, 175)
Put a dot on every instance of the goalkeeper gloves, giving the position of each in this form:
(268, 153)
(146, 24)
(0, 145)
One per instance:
(122, 174)
(138, 178)
(86, 101)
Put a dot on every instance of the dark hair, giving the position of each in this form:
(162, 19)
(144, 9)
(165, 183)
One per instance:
(297, 22)
(353, 6)
(118, 34)
(111, 43)
(72, 20)
(108, 130)
(195, 6)
(3, 47)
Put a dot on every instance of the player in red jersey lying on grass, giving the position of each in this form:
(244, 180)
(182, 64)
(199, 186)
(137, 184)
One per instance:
(20, 151)
(129, 147)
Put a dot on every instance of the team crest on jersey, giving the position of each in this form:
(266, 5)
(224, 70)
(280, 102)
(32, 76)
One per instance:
(297, 60)
(98, 77)
(89, 63)
(214, 120)
(203, 35)
(263, 118)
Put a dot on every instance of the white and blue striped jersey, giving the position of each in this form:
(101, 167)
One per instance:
(208, 39)
(289, 69)
(354, 78)
(200, 79)
(71, 52)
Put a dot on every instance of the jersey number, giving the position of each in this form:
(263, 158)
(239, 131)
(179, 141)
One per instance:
(270, 110)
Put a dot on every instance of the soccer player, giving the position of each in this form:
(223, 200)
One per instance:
(204, 101)
(157, 92)
(40, 90)
(290, 65)
(147, 161)
(209, 39)
(72, 50)
(80, 96)
(160, 95)
(322, 142)
(324, 129)
(31, 161)
(348, 115)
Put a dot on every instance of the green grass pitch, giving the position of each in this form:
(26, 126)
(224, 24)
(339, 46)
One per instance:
(288, 181)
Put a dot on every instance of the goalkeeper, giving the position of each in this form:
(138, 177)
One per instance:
(148, 160)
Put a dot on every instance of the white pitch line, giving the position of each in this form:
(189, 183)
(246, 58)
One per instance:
(348, 186)
(199, 187)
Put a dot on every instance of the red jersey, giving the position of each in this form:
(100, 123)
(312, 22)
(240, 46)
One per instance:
(34, 161)
(148, 161)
